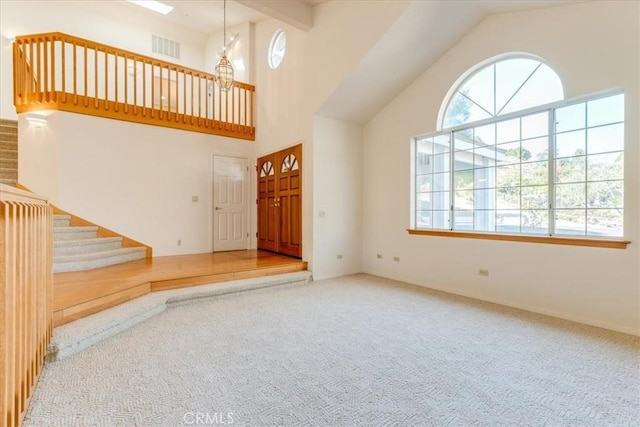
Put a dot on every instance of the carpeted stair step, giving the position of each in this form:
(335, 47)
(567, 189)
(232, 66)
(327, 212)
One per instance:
(9, 173)
(11, 182)
(74, 233)
(8, 153)
(91, 260)
(83, 333)
(8, 164)
(85, 246)
(61, 220)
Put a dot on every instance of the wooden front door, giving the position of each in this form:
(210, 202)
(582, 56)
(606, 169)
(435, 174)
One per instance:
(280, 202)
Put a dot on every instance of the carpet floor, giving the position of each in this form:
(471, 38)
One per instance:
(352, 351)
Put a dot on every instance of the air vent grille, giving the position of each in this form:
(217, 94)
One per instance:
(166, 47)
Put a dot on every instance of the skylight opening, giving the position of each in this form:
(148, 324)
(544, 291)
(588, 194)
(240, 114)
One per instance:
(154, 5)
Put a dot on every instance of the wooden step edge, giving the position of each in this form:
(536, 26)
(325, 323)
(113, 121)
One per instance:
(77, 221)
(163, 285)
(87, 308)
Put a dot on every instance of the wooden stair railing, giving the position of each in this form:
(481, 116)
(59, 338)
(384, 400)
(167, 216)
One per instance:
(26, 297)
(56, 71)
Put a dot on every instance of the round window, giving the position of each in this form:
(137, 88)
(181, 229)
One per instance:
(277, 48)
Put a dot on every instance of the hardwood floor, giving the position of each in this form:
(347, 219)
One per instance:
(79, 294)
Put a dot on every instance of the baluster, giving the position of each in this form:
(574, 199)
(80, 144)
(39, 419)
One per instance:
(116, 104)
(63, 70)
(96, 99)
(106, 80)
(53, 70)
(86, 78)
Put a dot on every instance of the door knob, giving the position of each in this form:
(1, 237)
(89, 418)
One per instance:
(217, 208)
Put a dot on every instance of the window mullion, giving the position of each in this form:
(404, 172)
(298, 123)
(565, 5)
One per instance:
(552, 171)
(452, 197)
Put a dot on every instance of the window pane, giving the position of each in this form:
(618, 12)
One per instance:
(571, 169)
(535, 125)
(508, 221)
(508, 153)
(464, 200)
(440, 182)
(535, 197)
(605, 139)
(485, 156)
(508, 198)
(535, 149)
(571, 196)
(480, 89)
(486, 134)
(463, 180)
(604, 167)
(441, 144)
(535, 221)
(423, 201)
(508, 131)
(423, 183)
(605, 194)
(570, 118)
(485, 199)
(440, 163)
(440, 219)
(536, 173)
(485, 178)
(605, 110)
(511, 74)
(463, 220)
(423, 219)
(440, 200)
(571, 221)
(508, 176)
(570, 144)
(605, 222)
(543, 87)
(484, 220)
(463, 160)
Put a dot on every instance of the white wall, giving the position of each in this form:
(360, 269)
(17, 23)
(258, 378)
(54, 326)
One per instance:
(137, 180)
(593, 46)
(337, 201)
(103, 22)
(314, 65)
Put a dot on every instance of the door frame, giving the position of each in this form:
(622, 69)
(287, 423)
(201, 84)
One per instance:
(212, 198)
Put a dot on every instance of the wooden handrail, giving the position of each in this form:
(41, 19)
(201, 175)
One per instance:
(26, 297)
(62, 72)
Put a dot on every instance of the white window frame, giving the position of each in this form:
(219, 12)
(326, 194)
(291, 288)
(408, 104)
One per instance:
(550, 108)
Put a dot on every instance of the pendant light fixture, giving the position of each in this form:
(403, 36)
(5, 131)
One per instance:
(224, 69)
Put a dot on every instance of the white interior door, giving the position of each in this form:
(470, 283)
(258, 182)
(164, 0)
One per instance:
(230, 203)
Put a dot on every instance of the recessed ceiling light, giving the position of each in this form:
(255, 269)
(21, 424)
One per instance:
(154, 5)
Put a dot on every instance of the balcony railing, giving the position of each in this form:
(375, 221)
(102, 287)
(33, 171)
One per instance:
(56, 71)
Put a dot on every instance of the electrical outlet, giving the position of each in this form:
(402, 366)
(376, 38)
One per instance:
(483, 272)
(194, 199)
(339, 256)
(396, 258)
(179, 242)
(379, 256)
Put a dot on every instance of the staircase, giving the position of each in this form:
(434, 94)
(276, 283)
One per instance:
(8, 152)
(80, 248)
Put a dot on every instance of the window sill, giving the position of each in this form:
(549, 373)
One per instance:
(552, 240)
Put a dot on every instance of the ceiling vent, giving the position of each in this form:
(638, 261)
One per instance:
(165, 47)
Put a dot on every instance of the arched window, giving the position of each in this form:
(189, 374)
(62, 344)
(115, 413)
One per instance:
(502, 87)
(515, 157)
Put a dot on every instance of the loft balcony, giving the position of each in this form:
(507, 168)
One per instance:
(56, 71)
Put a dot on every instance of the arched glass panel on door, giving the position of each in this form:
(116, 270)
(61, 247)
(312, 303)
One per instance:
(290, 163)
(267, 169)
